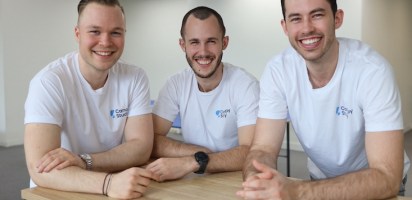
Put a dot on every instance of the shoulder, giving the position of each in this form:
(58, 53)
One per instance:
(128, 73)
(361, 54)
(58, 69)
(238, 74)
(286, 60)
(184, 76)
(124, 68)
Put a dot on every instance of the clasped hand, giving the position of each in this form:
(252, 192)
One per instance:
(267, 183)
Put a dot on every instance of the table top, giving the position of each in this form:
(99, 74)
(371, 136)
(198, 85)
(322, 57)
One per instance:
(213, 186)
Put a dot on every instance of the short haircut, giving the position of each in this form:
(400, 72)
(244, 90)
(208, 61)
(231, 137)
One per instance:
(202, 13)
(333, 6)
(83, 3)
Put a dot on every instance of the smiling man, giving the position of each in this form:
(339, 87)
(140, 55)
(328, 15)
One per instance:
(88, 121)
(342, 99)
(217, 103)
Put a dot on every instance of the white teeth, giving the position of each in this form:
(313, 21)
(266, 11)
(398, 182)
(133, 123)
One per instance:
(310, 41)
(203, 62)
(103, 53)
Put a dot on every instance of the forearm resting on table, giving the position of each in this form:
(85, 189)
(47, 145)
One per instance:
(168, 147)
(230, 160)
(365, 184)
(130, 154)
(71, 178)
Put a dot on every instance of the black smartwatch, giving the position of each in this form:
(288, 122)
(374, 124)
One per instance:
(202, 158)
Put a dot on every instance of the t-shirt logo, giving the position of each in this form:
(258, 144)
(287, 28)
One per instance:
(343, 111)
(119, 113)
(222, 113)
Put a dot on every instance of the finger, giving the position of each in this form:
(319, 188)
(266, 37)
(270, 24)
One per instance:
(267, 172)
(44, 163)
(143, 181)
(43, 159)
(153, 169)
(240, 193)
(140, 189)
(156, 177)
(63, 165)
(258, 184)
(250, 178)
(151, 165)
(52, 165)
(265, 175)
(47, 158)
(146, 173)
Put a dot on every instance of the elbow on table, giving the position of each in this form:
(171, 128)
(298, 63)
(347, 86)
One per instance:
(37, 177)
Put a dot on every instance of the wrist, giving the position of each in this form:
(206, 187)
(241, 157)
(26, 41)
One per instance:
(192, 164)
(202, 159)
(87, 160)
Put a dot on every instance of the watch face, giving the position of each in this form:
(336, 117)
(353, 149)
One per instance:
(86, 156)
(201, 156)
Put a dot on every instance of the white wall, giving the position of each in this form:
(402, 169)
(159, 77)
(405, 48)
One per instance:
(2, 109)
(34, 33)
(390, 34)
(37, 32)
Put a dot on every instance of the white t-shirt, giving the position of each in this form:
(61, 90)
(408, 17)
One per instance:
(210, 119)
(91, 121)
(331, 122)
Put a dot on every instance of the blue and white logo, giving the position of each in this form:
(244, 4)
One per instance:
(343, 111)
(119, 113)
(222, 113)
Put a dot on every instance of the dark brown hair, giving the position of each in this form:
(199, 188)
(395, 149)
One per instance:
(202, 13)
(333, 6)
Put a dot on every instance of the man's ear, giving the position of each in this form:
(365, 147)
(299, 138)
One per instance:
(182, 44)
(77, 33)
(225, 42)
(339, 18)
(285, 29)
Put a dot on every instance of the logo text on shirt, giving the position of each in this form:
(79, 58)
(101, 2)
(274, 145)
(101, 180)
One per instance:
(119, 113)
(222, 113)
(344, 111)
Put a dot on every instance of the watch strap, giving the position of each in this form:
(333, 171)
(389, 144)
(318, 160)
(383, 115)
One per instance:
(88, 160)
(202, 159)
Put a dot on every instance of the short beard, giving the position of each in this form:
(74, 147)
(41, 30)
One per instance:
(219, 60)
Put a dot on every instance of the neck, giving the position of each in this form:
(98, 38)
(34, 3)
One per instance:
(209, 84)
(94, 77)
(320, 72)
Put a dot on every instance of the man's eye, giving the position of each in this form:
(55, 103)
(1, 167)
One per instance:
(94, 32)
(295, 19)
(116, 33)
(316, 16)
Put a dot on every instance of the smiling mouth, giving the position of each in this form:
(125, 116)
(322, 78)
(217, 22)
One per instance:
(310, 41)
(203, 60)
(103, 53)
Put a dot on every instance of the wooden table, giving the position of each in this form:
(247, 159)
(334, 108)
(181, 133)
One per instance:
(214, 186)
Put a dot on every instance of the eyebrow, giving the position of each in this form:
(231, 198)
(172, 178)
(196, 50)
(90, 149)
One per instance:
(98, 27)
(311, 12)
(208, 39)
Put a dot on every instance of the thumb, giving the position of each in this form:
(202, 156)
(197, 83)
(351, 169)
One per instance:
(266, 171)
